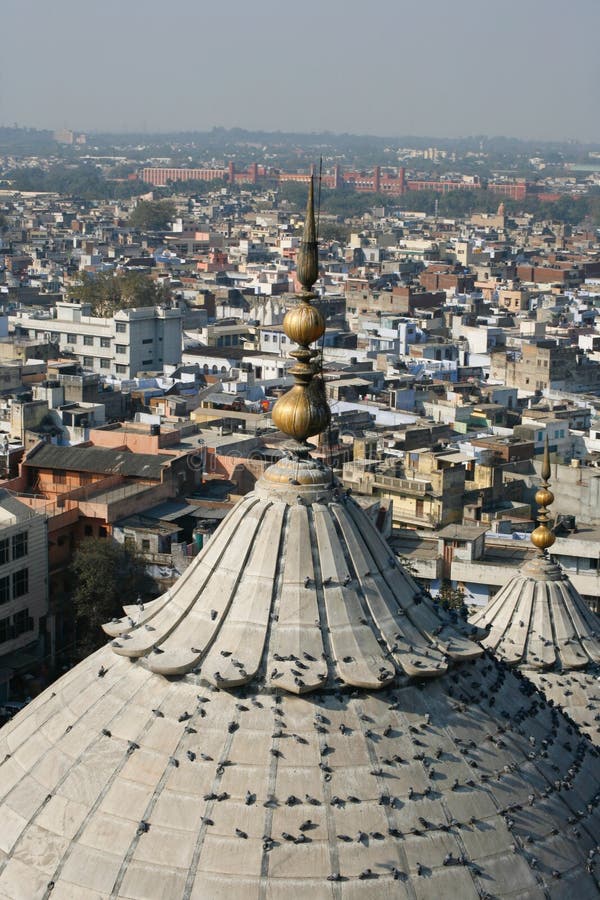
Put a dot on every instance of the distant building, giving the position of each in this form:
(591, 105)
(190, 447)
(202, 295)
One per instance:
(545, 365)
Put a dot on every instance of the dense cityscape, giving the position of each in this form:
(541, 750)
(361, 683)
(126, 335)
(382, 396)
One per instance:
(442, 488)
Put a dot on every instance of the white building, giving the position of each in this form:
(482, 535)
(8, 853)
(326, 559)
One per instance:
(23, 586)
(131, 341)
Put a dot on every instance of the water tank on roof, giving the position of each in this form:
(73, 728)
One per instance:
(154, 430)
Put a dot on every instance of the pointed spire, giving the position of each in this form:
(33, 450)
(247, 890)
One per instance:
(546, 470)
(307, 267)
(543, 537)
(303, 411)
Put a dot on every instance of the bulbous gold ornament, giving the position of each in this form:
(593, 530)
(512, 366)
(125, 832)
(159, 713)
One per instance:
(542, 537)
(300, 413)
(544, 497)
(304, 324)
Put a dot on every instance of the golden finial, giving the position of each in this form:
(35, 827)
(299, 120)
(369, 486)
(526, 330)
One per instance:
(543, 537)
(303, 411)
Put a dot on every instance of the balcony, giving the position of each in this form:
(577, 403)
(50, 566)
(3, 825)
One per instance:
(402, 485)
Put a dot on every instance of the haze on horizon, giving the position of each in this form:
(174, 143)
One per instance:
(524, 69)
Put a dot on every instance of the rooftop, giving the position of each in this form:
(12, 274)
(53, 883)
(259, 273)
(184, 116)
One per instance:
(98, 460)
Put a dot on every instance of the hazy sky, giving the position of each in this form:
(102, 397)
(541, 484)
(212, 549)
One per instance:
(525, 68)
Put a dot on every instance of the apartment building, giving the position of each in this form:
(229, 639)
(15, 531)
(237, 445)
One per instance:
(23, 588)
(545, 365)
(427, 488)
(131, 341)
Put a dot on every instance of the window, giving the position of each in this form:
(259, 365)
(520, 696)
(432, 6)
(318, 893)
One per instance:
(145, 544)
(88, 362)
(20, 582)
(121, 328)
(105, 363)
(4, 630)
(105, 342)
(5, 589)
(88, 340)
(120, 348)
(22, 622)
(266, 338)
(88, 531)
(121, 370)
(60, 477)
(19, 545)
(147, 341)
(71, 339)
(147, 362)
(4, 551)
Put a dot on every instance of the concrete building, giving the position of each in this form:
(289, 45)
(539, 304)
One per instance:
(132, 341)
(186, 759)
(24, 640)
(426, 488)
(545, 365)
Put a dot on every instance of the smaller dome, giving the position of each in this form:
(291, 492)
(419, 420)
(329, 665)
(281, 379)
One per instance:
(539, 621)
(296, 568)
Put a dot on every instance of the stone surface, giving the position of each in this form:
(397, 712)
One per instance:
(141, 774)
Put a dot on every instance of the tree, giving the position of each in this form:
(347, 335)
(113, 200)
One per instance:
(332, 231)
(108, 292)
(152, 215)
(82, 181)
(451, 597)
(105, 576)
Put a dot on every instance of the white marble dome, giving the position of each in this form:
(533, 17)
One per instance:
(294, 719)
(539, 622)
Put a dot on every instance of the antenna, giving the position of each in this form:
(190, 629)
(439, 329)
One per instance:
(319, 195)
(320, 368)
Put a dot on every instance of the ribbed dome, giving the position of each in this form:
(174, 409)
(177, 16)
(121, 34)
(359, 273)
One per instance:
(147, 775)
(296, 590)
(539, 622)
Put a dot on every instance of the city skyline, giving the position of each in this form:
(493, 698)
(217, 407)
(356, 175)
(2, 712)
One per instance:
(454, 70)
